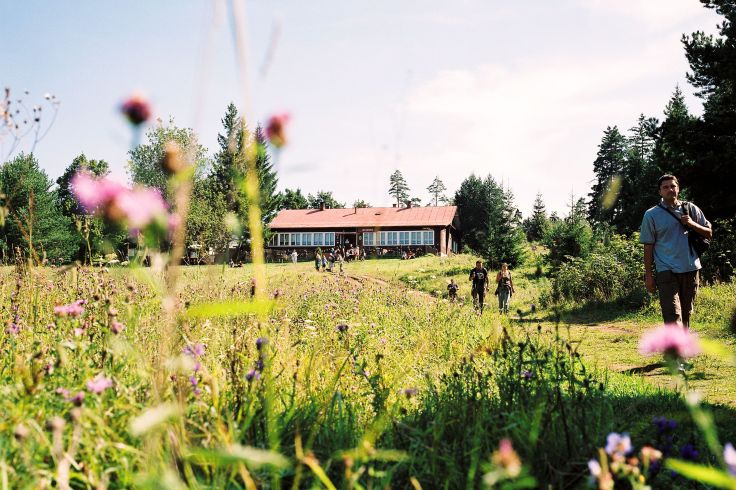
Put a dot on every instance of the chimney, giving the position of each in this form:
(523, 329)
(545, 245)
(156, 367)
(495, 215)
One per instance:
(321, 205)
(408, 204)
(393, 205)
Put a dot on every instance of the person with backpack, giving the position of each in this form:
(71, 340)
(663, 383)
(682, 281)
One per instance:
(504, 288)
(674, 234)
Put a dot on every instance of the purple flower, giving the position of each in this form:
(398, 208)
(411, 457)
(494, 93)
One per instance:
(594, 467)
(408, 392)
(673, 341)
(688, 452)
(116, 327)
(527, 375)
(72, 309)
(251, 375)
(99, 384)
(93, 193)
(729, 456)
(13, 328)
(664, 424)
(260, 342)
(195, 350)
(618, 444)
(342, 328)
(78, 398)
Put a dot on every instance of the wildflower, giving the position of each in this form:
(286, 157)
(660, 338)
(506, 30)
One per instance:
(92, 192)
(13, 328)
(194, 350)
(729, 456)
(72, 309)
(260, 342)
(195, 385)
(78, 398)
(342, 328)
(527, 375)
(533, 308)
(136, 109)
(594, 467)
(140, 207)
(673, 341)
(21, 432)
(252, 374)
(116, 327)
(663, 424)
(275, 129)
(99, 384)
(619, 444)
(506, 458)
(650, 454)
(409, 392)
(688, 452)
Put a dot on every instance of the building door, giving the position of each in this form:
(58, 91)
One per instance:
(345, 239)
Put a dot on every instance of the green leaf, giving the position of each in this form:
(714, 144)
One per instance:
(230, 308)
(702, 474)
(235, 454)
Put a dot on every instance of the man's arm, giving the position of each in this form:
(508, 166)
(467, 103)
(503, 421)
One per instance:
(648, 262)
(701, 230)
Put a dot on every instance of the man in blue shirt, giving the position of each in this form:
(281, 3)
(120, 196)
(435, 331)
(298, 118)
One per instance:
(664, 233)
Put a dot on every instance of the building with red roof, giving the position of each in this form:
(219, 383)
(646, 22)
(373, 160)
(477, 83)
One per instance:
(431, 229)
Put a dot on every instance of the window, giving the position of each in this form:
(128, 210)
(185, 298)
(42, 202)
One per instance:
(318, 239)
(295, 239)
(368, 240)
(392, 238)
(428, 237)
(403, 238)
(306, 239)
(329, 239)
(283, 239)
(416, 237)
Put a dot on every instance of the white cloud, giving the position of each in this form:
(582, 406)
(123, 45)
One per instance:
(655, 15)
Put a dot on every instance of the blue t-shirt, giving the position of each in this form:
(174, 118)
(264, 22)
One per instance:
(672, 251)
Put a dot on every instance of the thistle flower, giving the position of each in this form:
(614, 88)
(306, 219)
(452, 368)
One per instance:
(409, 392)
(72, 309)
(136, 109)
(275, 129)
(252, 375)
(99, 384)
(619, 444)
(195, 350)
(673, 341)
(116, 327)
(341, 328)
(505, 457)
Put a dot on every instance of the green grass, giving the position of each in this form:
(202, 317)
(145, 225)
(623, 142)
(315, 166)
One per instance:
(339, 395)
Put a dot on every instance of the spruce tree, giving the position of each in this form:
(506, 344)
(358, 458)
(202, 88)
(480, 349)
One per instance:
(538, 223)
(608, 167)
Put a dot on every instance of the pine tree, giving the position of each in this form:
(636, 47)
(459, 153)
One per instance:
(640, 172)
(293, 199)
(398, 188)
(326, 198)
(436, 188)
(608, 168)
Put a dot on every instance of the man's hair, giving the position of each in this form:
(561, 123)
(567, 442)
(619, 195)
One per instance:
(667, 177)
(478, 262)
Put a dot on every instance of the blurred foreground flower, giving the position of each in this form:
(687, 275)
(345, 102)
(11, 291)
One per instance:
(136, 109)
(138, 207)
(506, 467)
(673, 341)
(99, 384)
(729, 456)
(72, 309)
(618, 444)
(276, 129)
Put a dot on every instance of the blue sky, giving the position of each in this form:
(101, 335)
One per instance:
(520, 90)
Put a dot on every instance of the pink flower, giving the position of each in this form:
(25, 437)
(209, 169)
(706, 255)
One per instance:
(136, 109)
(99, 384)
(670, 340)
(72, 309)
(275, 129)
(141, 206)
(116, 327)
(93, 193)
(195, 350)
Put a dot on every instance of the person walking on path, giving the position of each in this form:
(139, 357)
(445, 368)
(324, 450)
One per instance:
(452, 291)
(294, 257)
(479, 277)
(504, 288)
(665, 231)
(317, 259)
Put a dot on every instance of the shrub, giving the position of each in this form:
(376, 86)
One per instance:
(612, 272)
(719, 262)
(568, 239)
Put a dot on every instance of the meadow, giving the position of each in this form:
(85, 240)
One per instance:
(368, 379)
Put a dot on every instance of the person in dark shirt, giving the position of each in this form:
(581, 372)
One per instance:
(452, 290)
(479, 277)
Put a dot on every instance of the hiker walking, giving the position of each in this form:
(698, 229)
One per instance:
(479, 277)
(667, 234)
(504, 288)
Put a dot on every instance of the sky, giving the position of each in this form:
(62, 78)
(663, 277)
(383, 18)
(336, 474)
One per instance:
(518, 90)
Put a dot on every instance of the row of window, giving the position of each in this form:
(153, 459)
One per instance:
(387, 238)
(370, 239)
(322, 239)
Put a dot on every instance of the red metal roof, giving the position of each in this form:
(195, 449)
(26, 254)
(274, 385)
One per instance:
(364, 217)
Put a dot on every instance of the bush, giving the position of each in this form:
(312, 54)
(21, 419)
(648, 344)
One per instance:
(568, 239)
(612, 272)
(719, 262)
